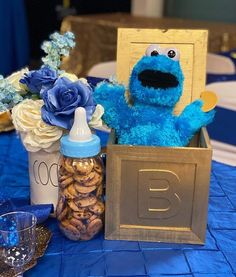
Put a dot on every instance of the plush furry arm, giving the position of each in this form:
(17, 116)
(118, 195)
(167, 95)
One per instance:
(112, 98)
(192, 119)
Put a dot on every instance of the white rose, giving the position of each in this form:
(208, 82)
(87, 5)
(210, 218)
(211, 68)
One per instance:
(73, 78)
(44, 136)
(14, 80)
(84, 81)
(27, 114)
(70, 76)
(35, 133)
(96, 120)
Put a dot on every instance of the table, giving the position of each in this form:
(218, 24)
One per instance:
(99, 257)
(96, 36)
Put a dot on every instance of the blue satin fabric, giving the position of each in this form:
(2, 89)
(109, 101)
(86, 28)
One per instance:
(42, 212)
(211, 78)
(14, 41)
(14, 180)
(221, 129)
(99, 257)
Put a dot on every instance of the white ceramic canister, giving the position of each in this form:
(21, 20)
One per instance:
(43, 172)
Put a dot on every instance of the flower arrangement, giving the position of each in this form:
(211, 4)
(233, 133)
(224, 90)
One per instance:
(43, 101)
(10, 95)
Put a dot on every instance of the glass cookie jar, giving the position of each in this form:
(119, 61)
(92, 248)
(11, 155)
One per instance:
(80, 207)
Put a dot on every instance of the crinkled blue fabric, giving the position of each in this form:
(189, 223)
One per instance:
(14, 179)
(221, 128)
(211, 78)
(42, 211)
(99, 257)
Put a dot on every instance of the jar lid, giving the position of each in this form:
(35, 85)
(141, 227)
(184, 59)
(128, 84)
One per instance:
(76, 149)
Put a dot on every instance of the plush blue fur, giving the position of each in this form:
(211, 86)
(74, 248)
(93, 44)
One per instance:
(150, 119)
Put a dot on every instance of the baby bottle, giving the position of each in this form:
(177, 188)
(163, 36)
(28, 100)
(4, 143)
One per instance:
(80, 207)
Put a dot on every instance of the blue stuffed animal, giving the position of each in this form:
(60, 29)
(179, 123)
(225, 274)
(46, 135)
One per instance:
(155, 86)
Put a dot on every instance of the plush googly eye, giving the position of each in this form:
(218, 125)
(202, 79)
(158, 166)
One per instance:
(153, 50)
(172, 53)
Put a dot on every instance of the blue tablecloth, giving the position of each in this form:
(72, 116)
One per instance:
(99, 257)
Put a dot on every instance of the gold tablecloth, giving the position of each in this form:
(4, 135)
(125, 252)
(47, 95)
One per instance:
(96, 36)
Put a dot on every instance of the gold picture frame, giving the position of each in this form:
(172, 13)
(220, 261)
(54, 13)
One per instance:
(192, 44)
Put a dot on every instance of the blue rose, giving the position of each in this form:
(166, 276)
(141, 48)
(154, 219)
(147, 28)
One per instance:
(62, 99)
(35, 80)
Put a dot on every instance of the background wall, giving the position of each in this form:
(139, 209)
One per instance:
(44, 17)
(25, 24)
(214, 10)
(152, 8)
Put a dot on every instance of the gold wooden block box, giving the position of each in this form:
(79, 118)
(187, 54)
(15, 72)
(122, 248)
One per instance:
(160, 193)
(157, 193)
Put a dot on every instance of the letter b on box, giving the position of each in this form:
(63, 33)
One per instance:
(157, 197)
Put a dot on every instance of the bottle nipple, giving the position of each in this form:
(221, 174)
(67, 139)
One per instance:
(80, 131)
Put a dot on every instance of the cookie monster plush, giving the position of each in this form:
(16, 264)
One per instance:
(155, 86)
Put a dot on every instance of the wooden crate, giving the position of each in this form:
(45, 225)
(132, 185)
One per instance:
(160, 193)
(156, 193)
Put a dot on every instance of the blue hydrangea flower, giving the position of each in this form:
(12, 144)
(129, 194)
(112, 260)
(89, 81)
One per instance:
(8, 95)
(58, 46)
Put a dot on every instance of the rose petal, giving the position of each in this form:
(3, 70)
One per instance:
(52, 99)
(84, 91)
(89, 112)
(62, 82)
(68, 97)
(60, 121)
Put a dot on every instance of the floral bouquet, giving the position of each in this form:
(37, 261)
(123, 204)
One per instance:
(42, 104)
(43, 101)
(9, 97)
